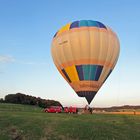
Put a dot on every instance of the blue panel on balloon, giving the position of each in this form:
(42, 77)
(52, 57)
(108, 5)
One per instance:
(89, 72)
(86, 70)
(101, 25)
(92, 72)
(66, 75)
(98, 72)
(55, 34)
(80, 72)
(83, 23)
(75, 24)
(92, 23)
(108, 75)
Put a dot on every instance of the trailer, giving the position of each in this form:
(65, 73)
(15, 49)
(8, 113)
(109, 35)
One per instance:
(70, 109)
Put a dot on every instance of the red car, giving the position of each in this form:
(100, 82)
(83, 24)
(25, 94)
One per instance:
(70, 110)
(53, 109)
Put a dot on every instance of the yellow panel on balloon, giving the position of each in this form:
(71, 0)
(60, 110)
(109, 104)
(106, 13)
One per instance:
(64, 28)
(72, 73)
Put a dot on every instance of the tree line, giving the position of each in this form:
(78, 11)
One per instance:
(20, 98)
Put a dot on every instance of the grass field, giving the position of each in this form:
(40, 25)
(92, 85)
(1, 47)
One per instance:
(22, 122)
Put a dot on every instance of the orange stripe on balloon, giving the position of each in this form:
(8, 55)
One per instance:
(83, 29)
(85, 62)
(86, 86)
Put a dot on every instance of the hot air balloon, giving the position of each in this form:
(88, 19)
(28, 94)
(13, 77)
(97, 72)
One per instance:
(85, 53)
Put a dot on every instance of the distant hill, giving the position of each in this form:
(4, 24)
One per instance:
(118, 108)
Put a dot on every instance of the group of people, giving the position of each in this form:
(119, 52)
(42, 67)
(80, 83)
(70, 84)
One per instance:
(88, 109)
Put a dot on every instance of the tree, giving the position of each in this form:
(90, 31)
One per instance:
(1, 100)
(20, 98)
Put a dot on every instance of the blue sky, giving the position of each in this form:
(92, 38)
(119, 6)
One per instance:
(26, 31)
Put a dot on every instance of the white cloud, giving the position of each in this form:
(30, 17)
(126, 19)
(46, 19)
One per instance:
(10, 59)
(31, 63)
(6, 59)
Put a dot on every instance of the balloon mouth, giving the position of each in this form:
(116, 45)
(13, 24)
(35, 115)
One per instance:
(89, 95)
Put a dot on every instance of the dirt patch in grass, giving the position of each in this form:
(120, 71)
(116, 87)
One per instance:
(15, 134)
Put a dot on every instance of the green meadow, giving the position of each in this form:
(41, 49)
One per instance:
(22, 122)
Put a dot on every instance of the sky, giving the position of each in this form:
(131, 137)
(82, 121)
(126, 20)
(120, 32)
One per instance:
(26, 66)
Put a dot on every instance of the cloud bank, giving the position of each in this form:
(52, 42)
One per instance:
(6, 59)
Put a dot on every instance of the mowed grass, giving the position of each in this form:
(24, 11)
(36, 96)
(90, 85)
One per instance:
(22, 122)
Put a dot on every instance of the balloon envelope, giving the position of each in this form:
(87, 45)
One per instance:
(85, 53)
